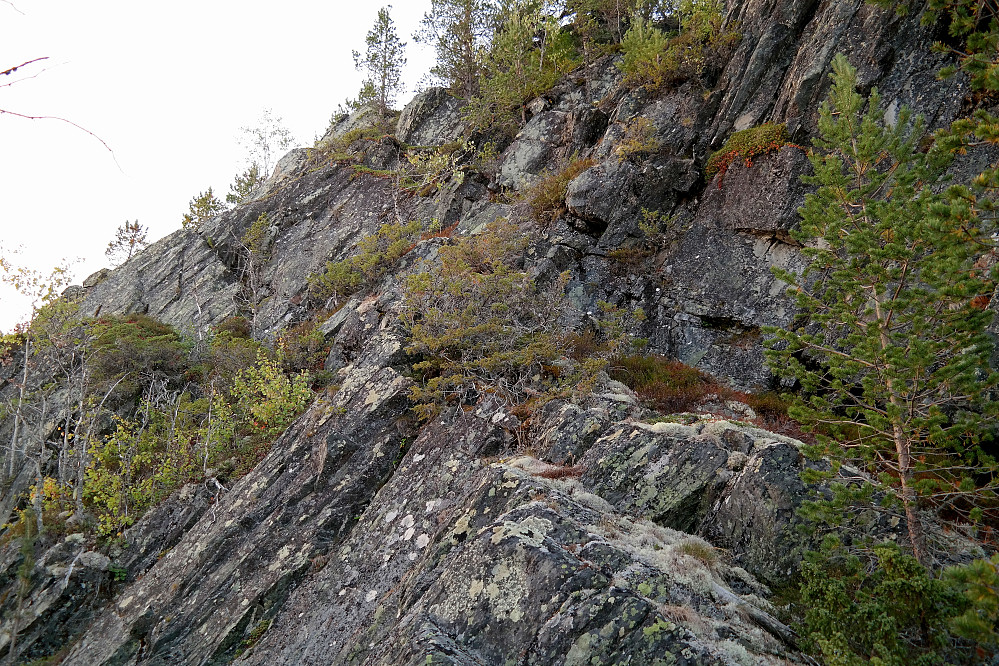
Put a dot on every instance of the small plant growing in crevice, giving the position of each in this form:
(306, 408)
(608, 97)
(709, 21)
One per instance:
(376, 255)
(639, 139)
(547, 196)
(745, 145)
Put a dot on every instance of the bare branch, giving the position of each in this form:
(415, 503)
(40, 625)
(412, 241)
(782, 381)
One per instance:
(70, 122)
(13, 69)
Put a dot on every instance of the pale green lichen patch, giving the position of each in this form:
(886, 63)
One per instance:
(531, 531)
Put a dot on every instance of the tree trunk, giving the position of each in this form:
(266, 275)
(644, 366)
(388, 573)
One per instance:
(914, 523)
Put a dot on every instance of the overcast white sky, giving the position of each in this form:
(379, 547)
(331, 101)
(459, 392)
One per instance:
(167, 86)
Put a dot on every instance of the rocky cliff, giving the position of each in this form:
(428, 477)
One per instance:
(366, 537)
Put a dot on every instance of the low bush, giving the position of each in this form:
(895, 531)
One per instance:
(376, 255)
(479, 325)
(547, 196)
(746, 145)
(881, 608)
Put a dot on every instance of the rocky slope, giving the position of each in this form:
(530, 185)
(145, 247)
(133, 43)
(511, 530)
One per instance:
(363, 538)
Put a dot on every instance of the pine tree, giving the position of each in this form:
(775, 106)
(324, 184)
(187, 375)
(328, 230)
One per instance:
(203, 207)
(383, 61)
(129, 238)
(528, 54)
(461, 31)
(244, 184)
(894, 363)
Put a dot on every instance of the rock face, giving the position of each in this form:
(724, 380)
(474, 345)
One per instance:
(363, 538)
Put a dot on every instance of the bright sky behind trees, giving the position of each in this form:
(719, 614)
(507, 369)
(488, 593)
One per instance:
(167, 87)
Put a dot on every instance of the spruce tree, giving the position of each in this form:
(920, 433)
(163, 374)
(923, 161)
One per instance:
(383, 61)
(893, 362)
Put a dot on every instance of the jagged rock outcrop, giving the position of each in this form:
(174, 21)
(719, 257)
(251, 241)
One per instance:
(590, 535)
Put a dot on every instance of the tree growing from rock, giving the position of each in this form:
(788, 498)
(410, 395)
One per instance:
(202, 208)
(894, 364)
(460, 31)
(265, 139)
(244, 184)
(383, 61)
(129, 238)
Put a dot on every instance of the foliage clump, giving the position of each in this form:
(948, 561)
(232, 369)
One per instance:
(891, 612)
(746, 145)
(547, 196)
(480, 325)
(656, 60)
(376, 254)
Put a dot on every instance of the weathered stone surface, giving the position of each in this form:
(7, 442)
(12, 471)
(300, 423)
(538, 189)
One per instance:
(433, 117)
(760, 199)
(361, 538)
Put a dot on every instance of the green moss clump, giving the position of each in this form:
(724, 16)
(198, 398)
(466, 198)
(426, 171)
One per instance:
(746, 145)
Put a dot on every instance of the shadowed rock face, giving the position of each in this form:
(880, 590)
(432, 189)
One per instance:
(363, 538)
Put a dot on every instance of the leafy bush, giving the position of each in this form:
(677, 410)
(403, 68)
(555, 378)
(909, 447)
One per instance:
(376, 255)
(884, 611)
(656, 60)
(547, 197)
(266, 397)
(745, 145)
(480, 325)
(303, 348)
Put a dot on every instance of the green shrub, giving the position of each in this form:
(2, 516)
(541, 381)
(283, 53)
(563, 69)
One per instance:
(133, 350)
(268, 398)
(428, 169)
(886, 610)
(656, 60)
(745, 145)
(481, 326)
(547, 197)
(376, 255)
